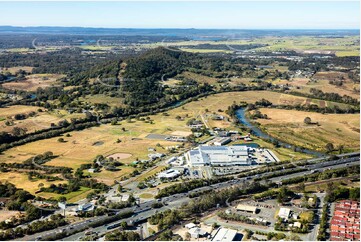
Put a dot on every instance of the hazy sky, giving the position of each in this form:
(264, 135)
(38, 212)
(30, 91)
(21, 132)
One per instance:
(240, 15)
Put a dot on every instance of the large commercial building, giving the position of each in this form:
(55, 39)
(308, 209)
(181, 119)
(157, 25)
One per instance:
(220, 156)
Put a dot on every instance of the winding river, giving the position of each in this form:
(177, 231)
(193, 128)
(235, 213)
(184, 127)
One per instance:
(241, 115)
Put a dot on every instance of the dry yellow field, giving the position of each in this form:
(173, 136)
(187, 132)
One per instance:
(321, 82)
(33, 82)
(42, 120)
(16, 109)
(20, 180)
(13, 70)
(288, 125)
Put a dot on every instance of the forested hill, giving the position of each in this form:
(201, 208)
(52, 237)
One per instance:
(139, 77)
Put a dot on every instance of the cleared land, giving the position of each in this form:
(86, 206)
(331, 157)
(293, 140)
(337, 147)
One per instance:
(33, 82)
(13, 70)
(321, 81)
(41, 120)
(338, 129)
(21, 180)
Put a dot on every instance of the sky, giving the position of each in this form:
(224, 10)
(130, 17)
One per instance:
(235, 15)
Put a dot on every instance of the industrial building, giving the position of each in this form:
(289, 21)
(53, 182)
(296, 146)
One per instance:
(284, 213)
(220, 156)
(169, 174)
(224, 235)
(247, 208)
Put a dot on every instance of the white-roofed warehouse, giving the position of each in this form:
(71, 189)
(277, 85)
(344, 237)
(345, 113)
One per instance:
(219, 156)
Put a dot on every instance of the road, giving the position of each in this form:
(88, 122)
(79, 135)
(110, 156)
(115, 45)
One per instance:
(144, 210)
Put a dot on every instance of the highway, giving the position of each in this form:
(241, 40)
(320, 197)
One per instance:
(144, 210)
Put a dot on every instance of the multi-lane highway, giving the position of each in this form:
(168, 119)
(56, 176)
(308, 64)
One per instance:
(144, 210)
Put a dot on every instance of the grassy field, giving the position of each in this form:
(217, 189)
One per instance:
(34, 81)
(339, 129)
(205, 50)
(70, 197)
(83, 146)
(13, 70)
(347, 46)
(41, 120)
(321, 81)
(20, 180)
(282, 153)
(100, 98)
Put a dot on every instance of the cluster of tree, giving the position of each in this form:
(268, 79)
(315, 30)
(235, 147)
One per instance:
(119, 235)
(239, 218)
(53, 222)
(168, 235)
(334, 97)
(268, 168)
(258, 115)
(339, 172)
(165, 219)
(189, 185)
(322, 235)
(96, 212)
(280, 225)
(284, 195)
(281, 173)
(273, 235)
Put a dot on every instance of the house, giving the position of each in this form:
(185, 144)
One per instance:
(298, 225)
(190, 225)
(155, 156)
(247, 208)
(284, 213)
(224, 235)
(125, 197)
(196, 232)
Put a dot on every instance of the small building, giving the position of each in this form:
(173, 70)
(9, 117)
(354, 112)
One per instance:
(155, 156)
(297, 224)
(221, 141)
(225, 235)
(125, 197)
(190, 225)
(247, 208)
(284, 213)
(196, 232)
(222, 133)
(86, 207)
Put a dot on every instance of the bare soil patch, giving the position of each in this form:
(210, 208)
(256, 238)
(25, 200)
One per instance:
(119, 156)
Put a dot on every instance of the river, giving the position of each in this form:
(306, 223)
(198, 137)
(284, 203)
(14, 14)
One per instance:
(241, 115)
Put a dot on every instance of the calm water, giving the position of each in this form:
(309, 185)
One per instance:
(241, 115)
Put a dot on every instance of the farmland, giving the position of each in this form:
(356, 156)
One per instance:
(33, 82)
(339, 129)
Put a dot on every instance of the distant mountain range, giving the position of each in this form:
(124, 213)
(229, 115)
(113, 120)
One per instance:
(189, 33)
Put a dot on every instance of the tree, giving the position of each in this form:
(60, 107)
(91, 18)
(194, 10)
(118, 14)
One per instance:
(329, 147)
(62, 199)
(40, 185)
(120, 188)
(307, 120)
